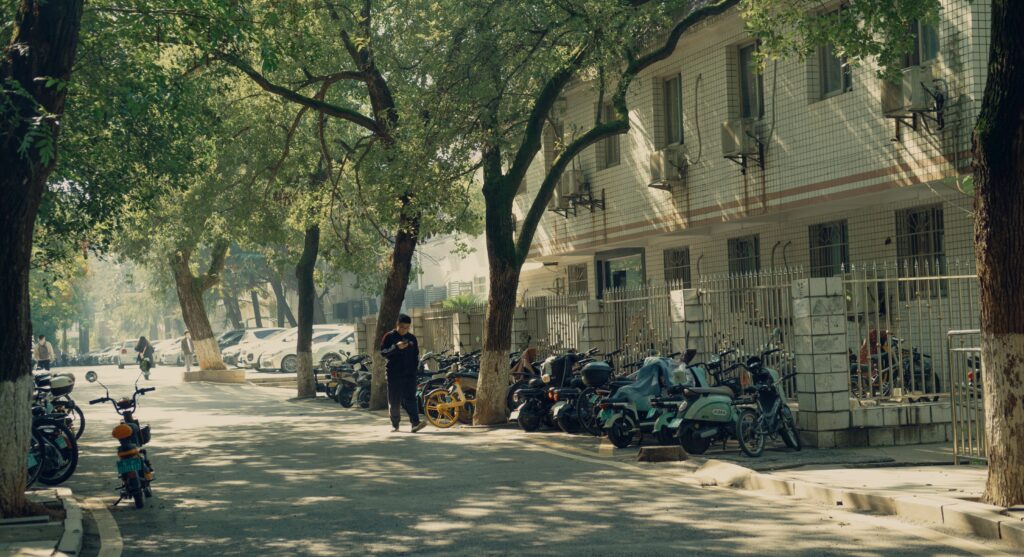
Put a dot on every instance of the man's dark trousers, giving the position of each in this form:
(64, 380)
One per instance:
(402, 393)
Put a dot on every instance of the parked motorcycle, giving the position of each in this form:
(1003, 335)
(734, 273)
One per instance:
(343, 382)
(53, 452)
(53, 393)
(772, 417)
(628, 414)
(708, 413)
(565, 412)
(133, 466)
(534, 402)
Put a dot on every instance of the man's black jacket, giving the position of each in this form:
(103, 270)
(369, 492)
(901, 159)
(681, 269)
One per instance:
(401, 363)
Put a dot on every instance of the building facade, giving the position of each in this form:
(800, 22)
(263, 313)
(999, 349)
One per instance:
(727, 169)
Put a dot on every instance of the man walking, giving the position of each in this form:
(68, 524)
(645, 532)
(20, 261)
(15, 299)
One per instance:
(187, 349)
(402, 354)
(44, 353)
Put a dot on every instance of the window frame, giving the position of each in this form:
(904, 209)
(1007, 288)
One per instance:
(755, 239)
(744, 86)
(911, 261)
(610, 144)
(916, 56)
(668, 121)
(817, 253)
(826, 55)
(678, 273)
(576, 285)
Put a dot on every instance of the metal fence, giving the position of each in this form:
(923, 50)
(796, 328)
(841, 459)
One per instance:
(552, 324)
(966, 396)
(639, 320)
(897, 319)
(749, 311)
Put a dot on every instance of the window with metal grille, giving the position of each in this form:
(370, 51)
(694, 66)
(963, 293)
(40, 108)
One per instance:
(677, 268)
(577, 279)
(751, 83)
(673, 98)
(744, 260)
(920, 250)
(830, 248)
(609, 146)
(834, 75)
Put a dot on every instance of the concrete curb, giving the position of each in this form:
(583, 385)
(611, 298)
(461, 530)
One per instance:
(966, 517)
(71, 540)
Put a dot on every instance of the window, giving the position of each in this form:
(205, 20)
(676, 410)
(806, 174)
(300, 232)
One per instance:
(677, 267)
(618, 269)
(830, 249)
(834, 76)
(751, 84)
(609, 146)
(926, 44)
(919, 240)
(577, 279)
(672, 95)
(744, 255)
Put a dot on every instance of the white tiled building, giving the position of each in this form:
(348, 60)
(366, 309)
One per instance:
(837, 186)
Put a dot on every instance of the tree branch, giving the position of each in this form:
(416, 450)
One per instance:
(217, 258)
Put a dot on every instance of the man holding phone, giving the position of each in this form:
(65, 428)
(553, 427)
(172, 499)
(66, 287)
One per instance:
(400, 350)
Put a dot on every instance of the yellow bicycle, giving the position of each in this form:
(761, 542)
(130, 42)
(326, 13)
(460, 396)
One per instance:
(452, 403)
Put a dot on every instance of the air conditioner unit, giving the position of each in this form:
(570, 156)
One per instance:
(571, 182)
(910, 94)
(738, 138)
(668, 166)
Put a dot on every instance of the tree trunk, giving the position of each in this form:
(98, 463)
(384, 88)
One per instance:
(83, 338)
(319, 316)
(391, 303)
(47, 38)
(190, 298)
(307, 296)
(256, 315)
(232, 309)
(493, 384)
(999, 246)
(283, 311)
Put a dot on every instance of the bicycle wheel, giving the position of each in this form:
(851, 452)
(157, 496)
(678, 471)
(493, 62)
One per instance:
(440, 409)
(787, 428)
(74, 413)
(60, 453)
(35, 462)
(750, 433)
(466, 415)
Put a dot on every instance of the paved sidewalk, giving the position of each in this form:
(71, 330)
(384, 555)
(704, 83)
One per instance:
(41, 535)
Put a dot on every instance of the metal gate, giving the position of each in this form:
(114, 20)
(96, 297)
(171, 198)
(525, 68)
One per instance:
(963, 359)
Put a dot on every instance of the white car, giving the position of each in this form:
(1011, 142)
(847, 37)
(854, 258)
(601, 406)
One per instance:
(126, 354)
(168, 352)
(237, 354)
(339, 347)
(108, 355)
(278, 354)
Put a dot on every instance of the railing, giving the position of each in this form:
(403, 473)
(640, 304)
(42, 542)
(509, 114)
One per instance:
(897, 319)
(552, 324)
(749, 311)
(639, 320)
(436, 333)
(963, 360)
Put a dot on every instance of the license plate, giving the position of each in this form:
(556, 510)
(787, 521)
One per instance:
(514, 415)
(61, 442)
(32, 460)
(129, 465)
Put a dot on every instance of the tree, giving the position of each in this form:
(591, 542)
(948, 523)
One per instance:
(34, 73)
(877, 30)
(539, 53)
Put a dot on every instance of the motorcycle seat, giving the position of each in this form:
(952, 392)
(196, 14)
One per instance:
(712, 391)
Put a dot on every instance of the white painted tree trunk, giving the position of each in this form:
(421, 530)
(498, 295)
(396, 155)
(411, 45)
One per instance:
(208, 354)
(15, 428)
(1004, 416)
(304, 376)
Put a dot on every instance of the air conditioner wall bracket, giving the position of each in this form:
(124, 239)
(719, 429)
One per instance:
(744, 160)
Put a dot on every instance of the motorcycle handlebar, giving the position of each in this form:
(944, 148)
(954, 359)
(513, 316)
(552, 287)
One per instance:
(613, 353)
(98, 400)
(145, 390)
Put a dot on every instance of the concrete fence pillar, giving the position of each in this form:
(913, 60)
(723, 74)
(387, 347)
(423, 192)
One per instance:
(822, 361)
(687, 316)
(592, 329)
(462, 333)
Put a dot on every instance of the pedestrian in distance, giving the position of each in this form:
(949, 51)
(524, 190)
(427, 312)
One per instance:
(44, 353)
(187, 349)
(145, 353)
(402, 353)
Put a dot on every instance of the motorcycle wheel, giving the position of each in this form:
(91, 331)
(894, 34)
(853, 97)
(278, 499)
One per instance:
(622, 431)
(75, 413)
(691, 442)
(437, 412)
(135, 492)
(364, 399)
(466, 415)
(33, 472)
(345, 398)
(510, 403)
(586, 411)
(790, 435)
(59, 464)
(567, 423)
(750, 437)
(529, 418)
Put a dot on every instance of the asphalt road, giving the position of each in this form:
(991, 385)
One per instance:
(243, 470)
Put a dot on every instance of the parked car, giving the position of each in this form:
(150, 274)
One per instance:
(230, 338)
(337, 348)
(262, 353)
(167, 352)
(281, 356)
(126, 354)
(249, 337)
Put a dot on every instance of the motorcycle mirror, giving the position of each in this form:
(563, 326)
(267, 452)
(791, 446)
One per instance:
(91, 376)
